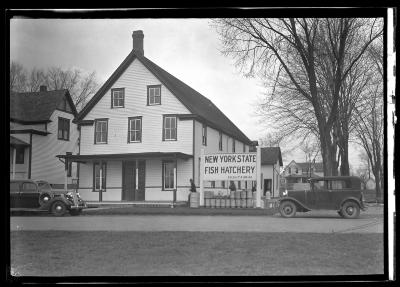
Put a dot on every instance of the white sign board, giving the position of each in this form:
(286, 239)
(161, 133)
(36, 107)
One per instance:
(230, 166)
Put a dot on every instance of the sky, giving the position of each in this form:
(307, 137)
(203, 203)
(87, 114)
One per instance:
(189, 49)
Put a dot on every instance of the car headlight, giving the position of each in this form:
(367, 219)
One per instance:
(285, 192)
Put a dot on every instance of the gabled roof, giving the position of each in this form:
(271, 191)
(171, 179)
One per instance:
(17, 142)
(318, 166)
(270, 155)
(37, 107)
(196, 103)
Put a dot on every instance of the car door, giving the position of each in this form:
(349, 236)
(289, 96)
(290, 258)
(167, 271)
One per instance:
(14, 194)
(29, 195)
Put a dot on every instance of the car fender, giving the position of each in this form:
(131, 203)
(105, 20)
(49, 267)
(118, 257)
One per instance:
(54, 199)
(352, 198)
(295, 201)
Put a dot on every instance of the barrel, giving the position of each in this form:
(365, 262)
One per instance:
(249, 194)
(217, 202)
(243, 194)
(194, 199)
(243, 202)
(249, 203)
(237, 194)
(212, 202)
(232, 194)
(227, 202)
(223, 200)
(233, 205)
(238, 203)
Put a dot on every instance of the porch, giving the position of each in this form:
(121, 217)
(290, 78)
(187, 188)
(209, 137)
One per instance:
(156, 178)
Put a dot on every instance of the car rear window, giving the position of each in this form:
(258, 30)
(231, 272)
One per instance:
(14, 187)
(340, 184)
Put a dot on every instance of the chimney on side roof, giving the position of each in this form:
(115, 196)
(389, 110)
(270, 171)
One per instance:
(43, 88)
(137, 39)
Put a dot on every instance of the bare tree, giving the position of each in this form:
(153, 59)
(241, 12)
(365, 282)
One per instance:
(304, 62)
(80, 85)
(368, 119)
(18, 77)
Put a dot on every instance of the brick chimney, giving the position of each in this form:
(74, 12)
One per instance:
(137, 40)
(43, 88)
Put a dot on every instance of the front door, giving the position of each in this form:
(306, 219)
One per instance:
(134, 180)
(139, 195)
(129, 180)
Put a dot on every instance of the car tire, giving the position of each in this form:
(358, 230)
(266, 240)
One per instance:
(44, 198)
(75, 212)
(58, 208)
(350, 209)
(287, 209)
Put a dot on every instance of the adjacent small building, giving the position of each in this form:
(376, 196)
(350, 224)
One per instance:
(142, 133)
(271, 163)
(42, 127)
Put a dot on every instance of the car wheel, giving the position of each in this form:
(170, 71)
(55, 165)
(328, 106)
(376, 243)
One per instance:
(287, 209)
(75, 212)
(350, 209)
(44, 198)
(58, 208)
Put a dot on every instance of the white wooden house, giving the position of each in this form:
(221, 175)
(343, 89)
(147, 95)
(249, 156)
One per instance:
(41, 127)
(296, 174)
(141, 135)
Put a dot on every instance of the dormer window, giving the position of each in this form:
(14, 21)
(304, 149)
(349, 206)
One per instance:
(154, 95)
(117, 98)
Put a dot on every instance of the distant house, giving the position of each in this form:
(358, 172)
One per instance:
(41, 127)
(299, 172)
(142, 135)
(271, 162)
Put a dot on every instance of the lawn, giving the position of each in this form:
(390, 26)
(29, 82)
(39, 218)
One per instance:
(59, 253)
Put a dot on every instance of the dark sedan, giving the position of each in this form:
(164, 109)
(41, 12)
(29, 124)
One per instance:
(26, 194)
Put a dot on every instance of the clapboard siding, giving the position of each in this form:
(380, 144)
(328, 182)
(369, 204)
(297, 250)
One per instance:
(135, 80)
(45, 164)
(212, 147)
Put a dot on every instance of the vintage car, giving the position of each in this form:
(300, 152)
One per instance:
(37, 195)
(340, 193)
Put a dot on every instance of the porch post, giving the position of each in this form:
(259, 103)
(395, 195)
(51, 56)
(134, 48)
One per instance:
(66, 173)
(14, 160)
(175, 178)
(201, 177)
(101, 181)
(258, 190)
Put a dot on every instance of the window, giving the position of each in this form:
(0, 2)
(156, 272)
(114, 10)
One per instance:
(168, 175)
(204, 134)
(117, 98)
(154, 95)
(297, 170)
(99, 176)
(233, 146)
(14, 187)
(220, 141)
(169, 129)
(135, 129)
(340, 184)
(63, 129)
(290, 170)
(19, 155)
(239, 185)
(223, 184)
(213, 184)
(101, 129)
(29, 187)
